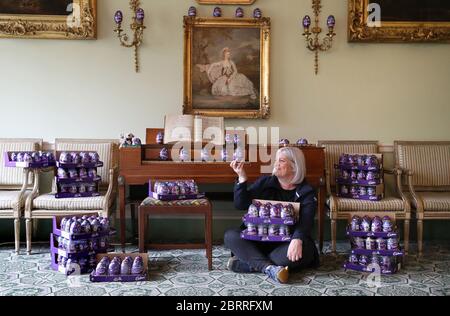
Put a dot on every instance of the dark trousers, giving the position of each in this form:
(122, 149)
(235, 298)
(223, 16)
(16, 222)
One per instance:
(259, 255)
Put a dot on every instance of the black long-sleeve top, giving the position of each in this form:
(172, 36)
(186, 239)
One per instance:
(269, 188)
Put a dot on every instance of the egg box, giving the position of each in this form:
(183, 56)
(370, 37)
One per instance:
(121, 278)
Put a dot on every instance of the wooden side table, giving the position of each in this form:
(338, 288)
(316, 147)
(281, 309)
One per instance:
(187, 207)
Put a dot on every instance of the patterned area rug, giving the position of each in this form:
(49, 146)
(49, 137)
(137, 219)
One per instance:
(184, 273)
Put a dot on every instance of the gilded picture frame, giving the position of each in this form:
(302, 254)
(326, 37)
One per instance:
(401, 24)
(44, 19)
(226, 1)
(227, 67)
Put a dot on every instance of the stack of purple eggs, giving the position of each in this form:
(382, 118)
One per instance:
(85, 225)
(375, 225)
(35, 156)
(385, 262)
(116, 266)
(269, 210)
(359, 160)
(176, 187)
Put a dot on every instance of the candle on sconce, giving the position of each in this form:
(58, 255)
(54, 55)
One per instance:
(140, 15)
(118, 17)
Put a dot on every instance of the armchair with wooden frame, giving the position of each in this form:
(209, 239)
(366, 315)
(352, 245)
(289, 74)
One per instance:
(341, 208)
(40, 206)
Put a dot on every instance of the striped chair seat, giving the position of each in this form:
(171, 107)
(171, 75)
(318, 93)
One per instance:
(49, 202)
(9, 199)
(387, 204)
(435, 201)
(155, 202)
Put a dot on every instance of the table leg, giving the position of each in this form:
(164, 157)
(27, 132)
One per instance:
(122, 198)
(208, 237)
(142, 229)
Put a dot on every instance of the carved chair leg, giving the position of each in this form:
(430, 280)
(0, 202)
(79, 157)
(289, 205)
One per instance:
(29, 230)
(17, 234)
(420, 236)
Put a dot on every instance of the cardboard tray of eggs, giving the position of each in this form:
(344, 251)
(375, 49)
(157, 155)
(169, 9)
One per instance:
(120, 267)
(34, 160)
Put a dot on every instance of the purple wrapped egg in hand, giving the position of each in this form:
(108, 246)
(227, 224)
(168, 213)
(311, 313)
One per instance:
(138, 266)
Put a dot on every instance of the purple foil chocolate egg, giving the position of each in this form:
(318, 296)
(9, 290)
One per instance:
(381, 244)
(377, 225)
(36, 157)
(95, 158)
(82, 188)
(253, 211)
(366, 224)
(306, 21)
(13, 157)
(65, 158)
(386, 262)
(264, 211)
(371, 161)
(64, 188)
(19, 157)
(353, 259)
(184, 154)
(263, 230)
(92, 173)
(50, 156)
(67, 225)
(362, 191)
(86, 226)
(138, 266)
(192, 12)
(361, 160)
(114, 267)
(251, 229)
(356, 223)
(125, 267)
(62, 174)
(286, 211)
(274, 230)
(83, 173)
(363, 260)
(217, 13)
(343, 159)
(370, 176)
(91, 187)
(354, 175)
(344, 190)
(73, 173)
(136, 141)
(85, 157)
(164, 154)
(387, 224)
(63, 222)
(345, 174)
(239, 12)
(95, 225)
(284, 142)
(302, 142)
(27, 157)
(361, 176)
(370, 244)
(275, 211)
(354, 190)
(75, 228)
(175, 190)
(163, 189)
(359, 243)
(104, 224)
(392, 244)
(160, 138)
(284, 230)
(350, 160)
(224, 154)
(371, 191)
(73, 189)
(257, 13)
(76, 158)
(118, 17)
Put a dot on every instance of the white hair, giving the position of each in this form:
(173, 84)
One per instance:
(297, 160)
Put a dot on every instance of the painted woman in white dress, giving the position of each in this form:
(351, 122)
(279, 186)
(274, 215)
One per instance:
(226, 79)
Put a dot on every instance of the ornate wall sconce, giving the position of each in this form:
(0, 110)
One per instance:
(137, 27)
(312, 37)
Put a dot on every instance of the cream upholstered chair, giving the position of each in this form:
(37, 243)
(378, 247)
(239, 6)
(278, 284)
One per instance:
(341, 208)
(426, 169)
(40, 206)
(14, 182)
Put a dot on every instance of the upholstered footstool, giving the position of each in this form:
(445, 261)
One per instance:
(151, 206)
